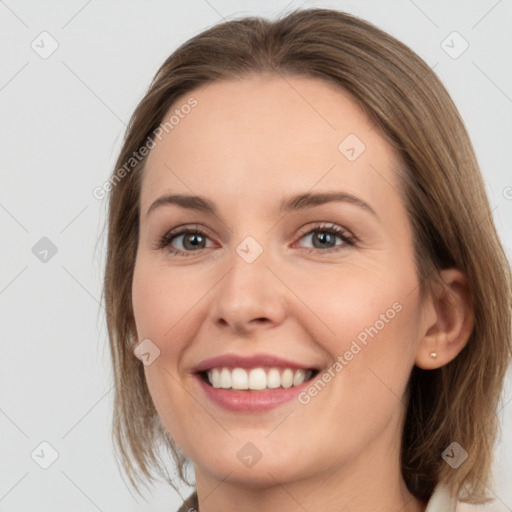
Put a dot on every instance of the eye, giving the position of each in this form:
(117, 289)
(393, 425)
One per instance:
(323, 238)
(191, 239)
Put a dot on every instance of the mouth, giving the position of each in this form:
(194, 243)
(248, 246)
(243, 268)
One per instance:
(256, 379)
(251, 384)
(254, 390)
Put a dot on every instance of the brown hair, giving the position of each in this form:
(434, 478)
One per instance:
(447, 206)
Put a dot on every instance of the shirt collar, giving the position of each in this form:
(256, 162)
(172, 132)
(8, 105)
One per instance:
(442, 500)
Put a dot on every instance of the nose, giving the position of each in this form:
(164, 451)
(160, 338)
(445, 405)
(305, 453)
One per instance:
(250, 296)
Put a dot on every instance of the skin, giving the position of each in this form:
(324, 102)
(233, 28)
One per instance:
(246, 146)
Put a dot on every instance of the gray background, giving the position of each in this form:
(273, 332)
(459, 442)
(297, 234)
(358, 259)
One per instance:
(63, 117)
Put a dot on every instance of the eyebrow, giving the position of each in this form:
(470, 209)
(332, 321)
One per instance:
(293, 203)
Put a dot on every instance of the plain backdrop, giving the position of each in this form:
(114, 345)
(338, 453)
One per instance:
(63, 115)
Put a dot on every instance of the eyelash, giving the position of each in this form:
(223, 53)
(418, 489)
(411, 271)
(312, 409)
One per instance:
(348, 240)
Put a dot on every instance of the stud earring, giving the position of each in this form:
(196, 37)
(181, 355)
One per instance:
(433, 354)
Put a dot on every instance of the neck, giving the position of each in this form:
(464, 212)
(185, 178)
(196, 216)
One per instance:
(372, 481)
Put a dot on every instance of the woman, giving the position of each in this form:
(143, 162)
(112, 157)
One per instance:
(306, 295)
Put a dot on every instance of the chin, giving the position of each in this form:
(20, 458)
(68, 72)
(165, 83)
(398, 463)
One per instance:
(263, 474)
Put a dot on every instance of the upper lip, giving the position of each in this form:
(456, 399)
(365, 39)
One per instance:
(253, 361)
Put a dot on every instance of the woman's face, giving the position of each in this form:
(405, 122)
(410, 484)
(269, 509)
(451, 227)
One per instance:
(305, 268)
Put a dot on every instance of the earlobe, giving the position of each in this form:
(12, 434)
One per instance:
(444, 337)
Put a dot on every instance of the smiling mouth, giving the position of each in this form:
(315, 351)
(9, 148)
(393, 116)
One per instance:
(256, 379)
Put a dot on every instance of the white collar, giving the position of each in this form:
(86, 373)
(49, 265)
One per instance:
(441, 500)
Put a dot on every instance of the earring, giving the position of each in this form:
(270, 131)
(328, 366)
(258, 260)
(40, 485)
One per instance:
(433, 354)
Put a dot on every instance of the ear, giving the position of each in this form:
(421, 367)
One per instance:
(447, 329)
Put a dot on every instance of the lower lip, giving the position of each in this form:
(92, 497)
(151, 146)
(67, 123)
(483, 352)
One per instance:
(251, 401)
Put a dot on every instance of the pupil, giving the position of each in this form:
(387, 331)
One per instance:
(193, 241)
(324, 237)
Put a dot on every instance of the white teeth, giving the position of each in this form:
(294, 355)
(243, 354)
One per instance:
(299, 377)
(287, 378)
(239, 379)
(257, 378)
(225, 378)
(273, 379)
(214, 378)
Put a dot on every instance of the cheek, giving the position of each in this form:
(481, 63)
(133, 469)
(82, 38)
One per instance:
(161, 300)
(372, 352)
(349, 300)
(367, 319)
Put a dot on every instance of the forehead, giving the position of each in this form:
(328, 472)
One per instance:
(268, 133)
